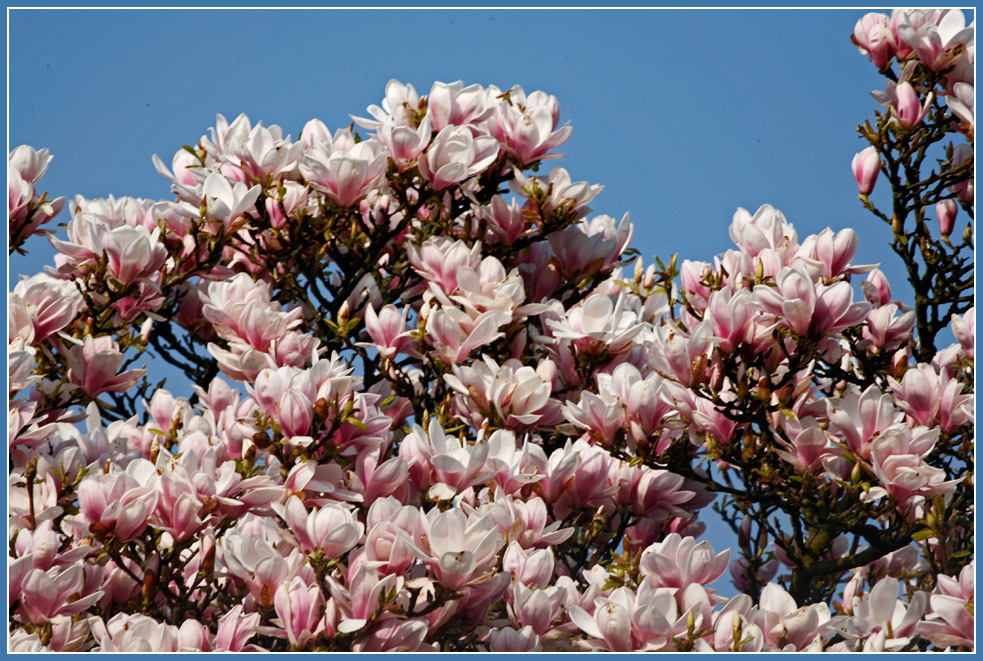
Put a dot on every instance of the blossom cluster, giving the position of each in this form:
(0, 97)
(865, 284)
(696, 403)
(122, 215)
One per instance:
(432, 411)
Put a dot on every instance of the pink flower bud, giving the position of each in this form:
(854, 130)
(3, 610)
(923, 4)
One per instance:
(946, 211)
(907, 106)
(866, 166)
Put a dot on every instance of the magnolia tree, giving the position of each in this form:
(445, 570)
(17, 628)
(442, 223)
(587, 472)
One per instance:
(431, 408)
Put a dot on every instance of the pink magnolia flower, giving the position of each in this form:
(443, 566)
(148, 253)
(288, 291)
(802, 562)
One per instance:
(954, 624)
(134, 253)
(44, 595)
(25, 210)
(905, 106)
(866, 166)
(298, 606)
(387, 329)
(930, 398)
(439, 259)
(255, 561)
(402, 103)
(463, 550)
(693, 276)
(951, 621)
(127, 632)
(781, 619)
(530, 567)
(525, 522)
(679, 561)
(367, 590)
(294, 202)
(505, 220)
(873, 37)
(445, 465)
(809, 308)
(727, 316)
(404, 143)
(262, 152)
(880, 618)
(453, 104)
(962, 103)
(510, 467)
(536, 608)
(395, 635)
(733, 629)
(629, 621)
(225, 203)
(344, 175)
(556, 191)
(876, 288)
(593, 246)
(887, 331)
(93, 367)
(898, 463)
(390, 547)
(599, 323)
(933, 41)
(965, 190)
(48, 304)
(507, 639)
(332, 529)
(454, 334)
(859, 417)
(767, 230)
(518, 395)
(528, 131)
(374, 480)
(181, 168)
(455, 155)
(808, 444)
(964, 328)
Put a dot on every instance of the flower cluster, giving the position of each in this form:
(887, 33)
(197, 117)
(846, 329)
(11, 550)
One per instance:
(428, 414)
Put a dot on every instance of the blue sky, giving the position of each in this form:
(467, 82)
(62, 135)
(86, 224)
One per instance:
(682, 115)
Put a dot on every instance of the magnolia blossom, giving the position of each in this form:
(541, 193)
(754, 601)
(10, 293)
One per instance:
(933, 42)
(453, 104)
(906, 107)
(460, 425)
(457, 154)
(226, 203)
(866, 166)
(27, 211)
(344, 175)
(873, 37)
(93, 366)
(810, 308)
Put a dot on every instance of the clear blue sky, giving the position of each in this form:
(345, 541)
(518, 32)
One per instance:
(682, 115)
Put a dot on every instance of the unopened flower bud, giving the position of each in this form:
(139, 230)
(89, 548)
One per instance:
(261, 440)
(343, 313)
(744, 531)
(698, 369)
(946, 211)
(321, 409)
(147, 590)
(866, 167)
(145, 330)
(649, 280)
